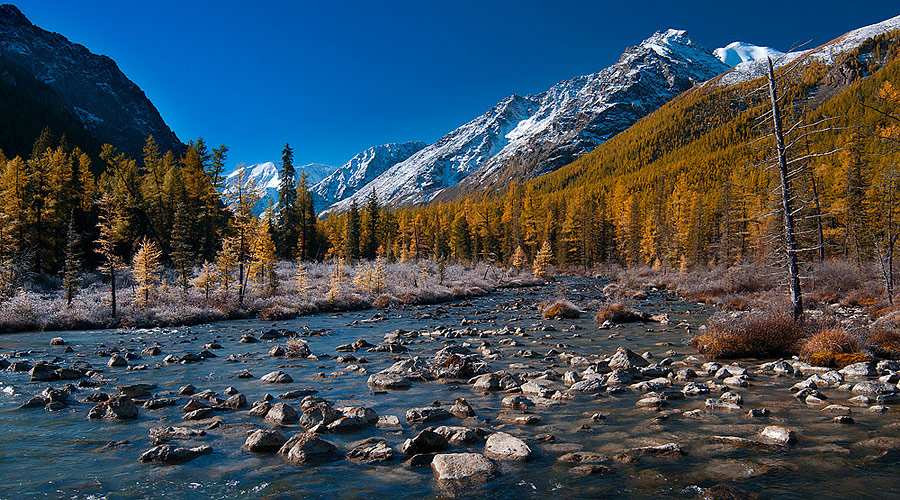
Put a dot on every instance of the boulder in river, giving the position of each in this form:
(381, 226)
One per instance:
(626, 359)
(462, 471)
(507, 447)
(426, 414)
(168, 454)
(307, 448)
(282, 414)
(277, 377)
(370, 450)
(264, 440)
(425, 441)
(115, 408)
(389, 381)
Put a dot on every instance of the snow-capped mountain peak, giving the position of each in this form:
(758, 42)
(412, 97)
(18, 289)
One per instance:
(266, 178)
(740, 52)
(525, 136)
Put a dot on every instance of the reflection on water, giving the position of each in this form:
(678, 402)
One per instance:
(63, 454)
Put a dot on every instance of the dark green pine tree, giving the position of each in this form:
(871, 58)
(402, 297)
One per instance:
(73, 262)
(351, 237)
(370, 247)
(287, 217)
(306, 221)
(182, 254)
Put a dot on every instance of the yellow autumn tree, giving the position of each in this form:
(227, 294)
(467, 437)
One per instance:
(542, 260)
(146, 266)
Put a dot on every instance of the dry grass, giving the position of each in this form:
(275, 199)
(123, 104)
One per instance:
(757, 334)
(833, 346)
(884, 342)
(617, 312)
(560, 309)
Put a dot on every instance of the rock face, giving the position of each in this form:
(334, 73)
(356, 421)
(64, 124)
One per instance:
(168, 454)
(460, 471)
(507, 447)
(90, 87)
(525, 136)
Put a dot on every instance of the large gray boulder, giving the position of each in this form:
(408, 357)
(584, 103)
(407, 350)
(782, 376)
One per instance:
(504, 446)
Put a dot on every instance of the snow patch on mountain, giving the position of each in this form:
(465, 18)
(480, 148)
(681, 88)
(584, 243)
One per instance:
(740, 52)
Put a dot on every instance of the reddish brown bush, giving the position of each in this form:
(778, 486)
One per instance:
(832, 346)
(884, 342)
(560, 309)
(758, 334)
(617, 312)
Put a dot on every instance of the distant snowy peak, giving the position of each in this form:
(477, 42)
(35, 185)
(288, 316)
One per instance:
(826, 53)
(525, 136)
(740, 52)
(266, 178)
(364, 167)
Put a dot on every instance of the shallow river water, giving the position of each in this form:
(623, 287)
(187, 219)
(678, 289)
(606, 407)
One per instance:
(63, 454)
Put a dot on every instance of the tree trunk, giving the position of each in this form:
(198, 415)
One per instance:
(789, 237)
(112, 280)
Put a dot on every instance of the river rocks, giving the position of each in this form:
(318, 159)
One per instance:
(371, 450)
(426, 414)
(389, 381)
(425, 441)
(151, 351)
(587, 385)
(43, 372)
(538, 387)
(516, 402)
(670, 450)
(389, 422)
(236, 402)
(872, 388)
(264, 441)
(626, 359)
(461, 471)
(161, 434)
(115, 408)
(864, 369)
(308, 449)
(260, 408)
(198, 414)
(276, 377)
(282, 414)
(462, 409)
(57, 341)
(319, 413)
(504, 446)
(116, 361)
(583, 457)
(167, 454)
(457, 435)
(779, 435)
(136, 390)
(717, 404)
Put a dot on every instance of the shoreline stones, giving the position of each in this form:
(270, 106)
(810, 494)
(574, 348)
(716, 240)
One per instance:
(276, 377)
(167, 454)
(505, 446)
(462, 471)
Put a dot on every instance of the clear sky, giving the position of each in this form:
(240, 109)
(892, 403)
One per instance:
(335, 77)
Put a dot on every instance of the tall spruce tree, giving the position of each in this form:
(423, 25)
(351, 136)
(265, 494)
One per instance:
(370, 244)
(288, 215)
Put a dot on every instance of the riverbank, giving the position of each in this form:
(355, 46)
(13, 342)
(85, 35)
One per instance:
(169, 305)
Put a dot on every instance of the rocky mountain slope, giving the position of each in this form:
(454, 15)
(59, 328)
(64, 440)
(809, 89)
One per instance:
(526, 136)
(267, 179)
(91, 87)
(360, 170)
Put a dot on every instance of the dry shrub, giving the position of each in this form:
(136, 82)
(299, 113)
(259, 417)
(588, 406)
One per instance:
(618, 312)
(884, 342)
(832, 346)
(757, 334)
(385, 301)
(560, 309)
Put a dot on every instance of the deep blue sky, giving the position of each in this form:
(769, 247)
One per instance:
(334, 78)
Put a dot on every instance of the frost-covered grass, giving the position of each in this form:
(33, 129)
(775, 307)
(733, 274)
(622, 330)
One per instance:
(34, 308)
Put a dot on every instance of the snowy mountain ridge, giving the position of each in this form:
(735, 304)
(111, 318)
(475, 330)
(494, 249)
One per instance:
(525, 136)
(740, 52)
(267, 179)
